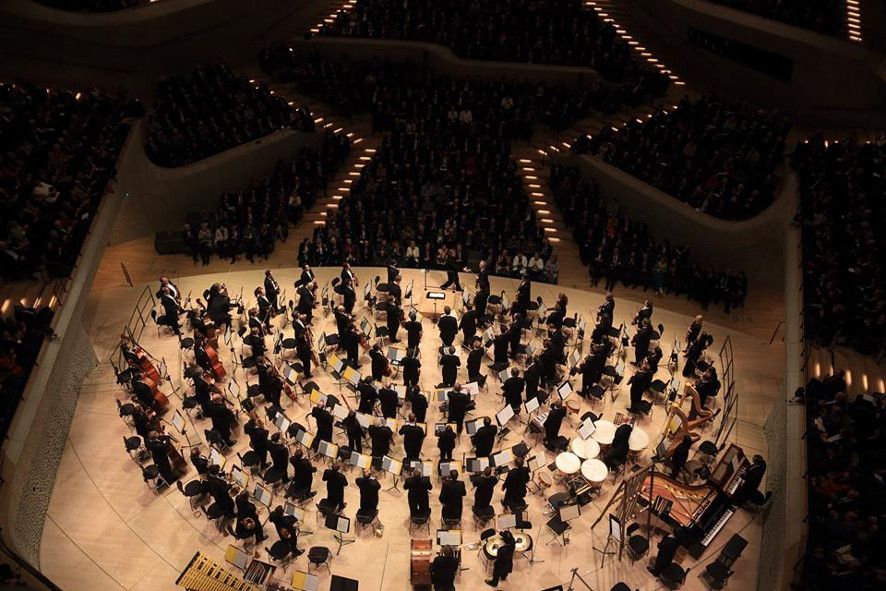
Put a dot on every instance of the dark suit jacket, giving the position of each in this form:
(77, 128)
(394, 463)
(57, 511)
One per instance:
(451, 495)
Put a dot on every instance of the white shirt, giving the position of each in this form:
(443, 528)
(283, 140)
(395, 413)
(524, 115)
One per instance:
(519, 262)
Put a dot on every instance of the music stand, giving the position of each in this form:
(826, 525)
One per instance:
(614, 533)
(340, 525)
(179, 422)
(395, 467)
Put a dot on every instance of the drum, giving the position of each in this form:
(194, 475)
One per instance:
(584, 449)
(594, 471)
(638, 441)
(604, 433)
(544, 480)
(523, 541)
(568, 463)
(573, 406)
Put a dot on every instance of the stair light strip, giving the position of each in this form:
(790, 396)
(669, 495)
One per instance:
(853, 20)
(622, 32)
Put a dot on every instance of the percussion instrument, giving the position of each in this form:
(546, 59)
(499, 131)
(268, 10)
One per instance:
(420, 562)
(568, 463)
(594, 471)
(543, 480)
(584, 449)
(523, 541)
(205, 574)
(604, 433)
(573, 406)
(638, 441)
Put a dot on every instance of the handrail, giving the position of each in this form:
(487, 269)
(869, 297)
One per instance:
(24, 565)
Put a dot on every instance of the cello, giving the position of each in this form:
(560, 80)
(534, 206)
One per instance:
(161, 400)
(218, 369)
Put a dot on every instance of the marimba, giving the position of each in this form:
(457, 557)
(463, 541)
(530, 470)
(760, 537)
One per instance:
(205, 574)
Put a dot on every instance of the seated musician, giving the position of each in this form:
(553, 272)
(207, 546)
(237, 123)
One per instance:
(248, 522)
(748, 490)
(444, 568)
(667, 549)
(129, 352)
(158, 444)
(256, 342)
(617, 453)
(143, 393)
(200, 355)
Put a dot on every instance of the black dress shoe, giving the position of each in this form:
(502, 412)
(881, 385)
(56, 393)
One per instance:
(490, 583)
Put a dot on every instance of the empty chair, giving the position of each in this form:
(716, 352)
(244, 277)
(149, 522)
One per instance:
(420, 518)
(134, 448)
(280, 552)
(215, 439)
(483, 515)
(319, 556)
(151, 476)
(366, 518)
(673, 576)
(195, 491)
(637, 544)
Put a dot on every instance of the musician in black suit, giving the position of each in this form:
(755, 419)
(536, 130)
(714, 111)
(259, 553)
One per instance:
(393, 312)
(446, 443)
(444, 569)
(219, 304)
(475, 361)
(159, 444)
(641, 341)
(325, 421)
(264, 307)
(654, 358)
(380, 435)
(350, 342)
(452, 268)
(307, 276)
(483, 277)
(223, 419)
(484, 438)
(302, 474)
(272, 290)
(388, 401)
(667, 549)
(458, 408)
(307, 298)
(354, 431)
(513, 390)
(299, 324)
(272, 386)
(349, 295)
(515, 484)
(413, 330)
(552, 423)
(413, 439)
(173, 288)
(532, 377)
(484, 488)
(258, 440)
(220, 490)
(468, 324)
(303, 351)
(515, 334)
(279, 471)
(378, 363)
(548, 364)
(395, 292)
(500, 351)
(524, 296)
(368, 396)
(480, 301)
(680, 455)
(418, 403)
(644, 313)
(253, 321)
(639, 383)
(748, 490)
(411, 368)
(606, 311)
(342, 320)
(369, 488)
(335, 487)
(618, 452)
(504, 559)
(449, 362)
(417, 487)
(171, 310)
(452, 493)
(347, 276)
(448, 327)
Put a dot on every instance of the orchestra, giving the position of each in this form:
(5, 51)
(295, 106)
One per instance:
(532, 353)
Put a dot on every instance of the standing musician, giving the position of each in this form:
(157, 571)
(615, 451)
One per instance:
(450, 362)
(173, 289)
(504, 559)
(606, 311)
(444, 568)
(380, 438)
(393, 316)
(480, 301)
(342, 320)
(272, 384)
(484, 487)
(512, 389)
(336, 482)
(458, 407)
(379, 363)
(258, 440)
(452, 493)
(307, 299)
(694, 331)
(644, 313)
(591, 369)
(219, 305)
(368, 396)
(265, 308)
(307, 276)
(411, 368)
(395, 292)
(354, 431)
(369, 488)
(324, 420)
(256, 342)
(639, 383)
(272, 290)
(413, 439)
(524, 296)
(159, 445)
(515, 485)
(253, 320)
(171, 310)
(393, 271)
(299, 324)
(532, 377)
(223, 419)
(641, 341)
(206, 360)
(484, 438)
(350, 342)
(475, 360)
(349, 283)
(552, 424)
(418, 403)
(413, 330)
(417, 487)
(468, 324)
(305, 353)
(451, 271)
(448, 326)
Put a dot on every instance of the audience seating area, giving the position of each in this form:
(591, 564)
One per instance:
(561, 32)
(717, 155)
(847, 482)
(443, 177)
(249, 222)
(21, 336)
(210, 111)
(842, 216)
(824, 16)
(619, 249)
(58, 151)
(94, 5)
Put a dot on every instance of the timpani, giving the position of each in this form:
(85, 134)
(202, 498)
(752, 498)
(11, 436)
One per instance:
(594, 471)
(585, 449)
(604, 434)
(568, 463)
(573, 406)
(637, 442)
(523, 544)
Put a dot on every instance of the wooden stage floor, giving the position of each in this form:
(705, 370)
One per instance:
(106, 531)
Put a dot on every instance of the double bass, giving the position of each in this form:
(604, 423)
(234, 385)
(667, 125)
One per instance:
(218, 369)
(161, 400)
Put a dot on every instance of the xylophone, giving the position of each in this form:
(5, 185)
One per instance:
(205, 574)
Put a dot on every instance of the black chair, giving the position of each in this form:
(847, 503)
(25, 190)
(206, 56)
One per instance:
(325, 509)
(637, 544)
(215, 439)
(250, 460)
(483, 515)
(189, 403)
(673, 576)
(134, 448)
(420, 518)
(620, 587)
(319, 556)
(125, 410)
(518, 507)
(366, 518)
(301, 496)
(151, 476)
(196, 493)
(280, 552)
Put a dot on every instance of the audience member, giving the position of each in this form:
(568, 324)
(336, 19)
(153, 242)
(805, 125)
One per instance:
(94, 5)
(842, 212)
(213, 110)
(717, 155)
(58, 153)
(617, 248)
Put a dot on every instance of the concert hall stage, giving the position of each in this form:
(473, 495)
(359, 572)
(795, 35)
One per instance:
(106, 530)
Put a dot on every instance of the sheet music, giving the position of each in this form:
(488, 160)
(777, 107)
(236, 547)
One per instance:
(449, 537)
(587, 428)
(330, 450)
(305, 438)
(564, 390)
(318, 397)
(343, 525)
(302, 581)
(472, 389)
(216, 458)
(506, 521)
(178, 421)
(504, 415)
(239, 476)
(237, 557)
(261, 494)
(234, 389)
(504, 375)
(391, 465)
(282, 422)
(360, 460)
(476, 465)
(290, 374)
(426, 468)
(532, 404)
(364, 419)
(472, 426)
(400, 389)
(340, 411)
(503, 457)
(534, 463)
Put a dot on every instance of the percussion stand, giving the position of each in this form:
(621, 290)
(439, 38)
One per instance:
(575, 575)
